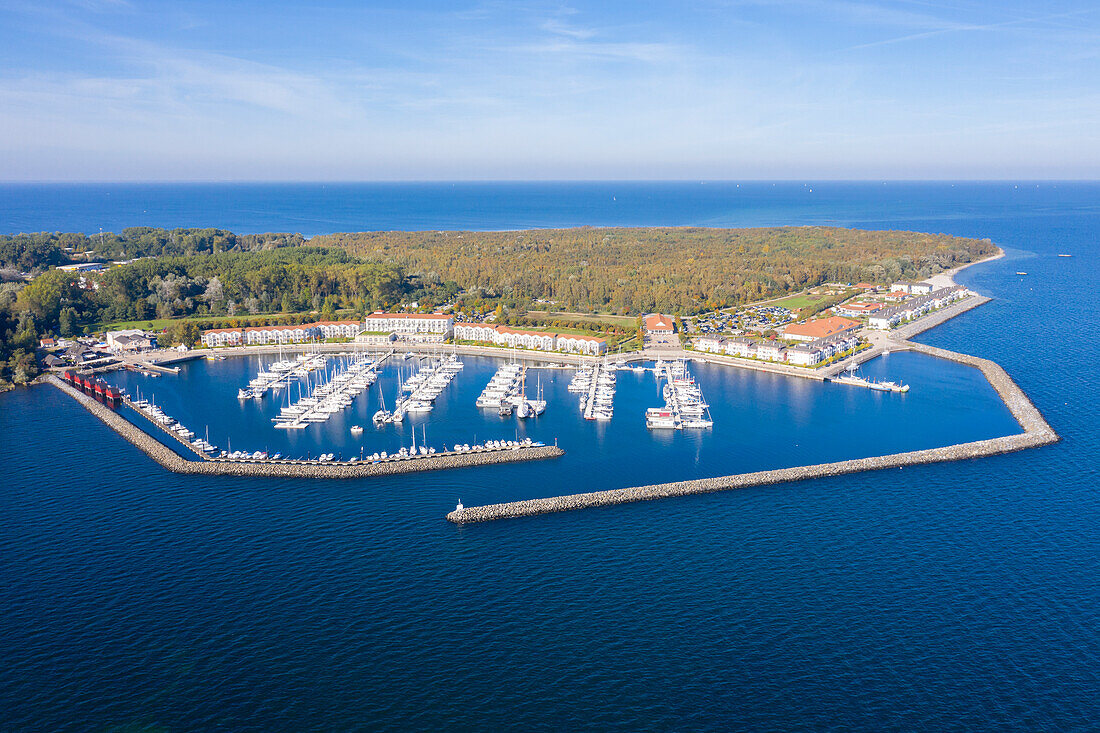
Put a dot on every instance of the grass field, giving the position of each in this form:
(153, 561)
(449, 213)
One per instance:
(157, 324)
(798, 302)
(563, 331)
(597, 318)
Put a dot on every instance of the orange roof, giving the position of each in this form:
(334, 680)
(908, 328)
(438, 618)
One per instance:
(303, 326)
(336, 323)
(506, 329)
(576, 336)
(821, 328)
(862, 306)
(866, 286)
(658, 322)
(222, 330)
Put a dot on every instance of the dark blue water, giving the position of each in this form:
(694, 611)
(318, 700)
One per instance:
(957, 596)
(342, 207)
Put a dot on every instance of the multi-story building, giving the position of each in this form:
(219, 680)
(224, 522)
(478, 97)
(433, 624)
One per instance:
(223, 337)
(821, 328)
(576, 344)
(525, 339)
(339, 329)
(913, 288)
(770, 351)
(888, 318)
(805, 355)
(713, 344)
(539, 340)
(659, 324)
(259, 335)
(410, 323)
(475, 332)
(740, 346)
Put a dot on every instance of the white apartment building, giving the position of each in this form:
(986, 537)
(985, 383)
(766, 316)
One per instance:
(410, 323)
(539, 340)
(339, 329)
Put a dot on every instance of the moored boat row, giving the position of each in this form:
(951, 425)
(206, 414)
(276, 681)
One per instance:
(684, 404)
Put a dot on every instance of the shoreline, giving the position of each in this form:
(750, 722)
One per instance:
(949, 275)
(1036, 431)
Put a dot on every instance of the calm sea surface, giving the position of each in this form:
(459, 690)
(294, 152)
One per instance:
(959, 596)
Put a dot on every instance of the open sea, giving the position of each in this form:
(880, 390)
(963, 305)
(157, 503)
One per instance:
(962, 596)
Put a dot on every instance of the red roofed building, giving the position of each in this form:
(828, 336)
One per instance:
(339, 329)
(223, 337)
(659, 325)
(858, 308)
(410, 322)
(821, 328)
(541, 340)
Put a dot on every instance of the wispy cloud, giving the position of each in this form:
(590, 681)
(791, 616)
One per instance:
(541, 87)
(560, 28)
(967, 27)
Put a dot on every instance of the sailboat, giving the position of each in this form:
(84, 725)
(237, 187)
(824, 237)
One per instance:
(383, 415)
(523, 409)
(538, 406)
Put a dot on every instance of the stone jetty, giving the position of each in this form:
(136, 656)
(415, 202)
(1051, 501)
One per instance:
(1036, 433)
(937, 317)
(270, 468)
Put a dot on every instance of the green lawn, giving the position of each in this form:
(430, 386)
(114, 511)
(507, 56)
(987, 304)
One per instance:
(590, 318)
(798, 302)
(156, 324)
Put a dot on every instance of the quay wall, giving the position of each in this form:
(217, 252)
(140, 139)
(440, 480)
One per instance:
(171, 460)
(400, 347)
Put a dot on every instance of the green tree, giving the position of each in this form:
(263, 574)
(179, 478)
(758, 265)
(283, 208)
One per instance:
(66, 321)
(22, 366)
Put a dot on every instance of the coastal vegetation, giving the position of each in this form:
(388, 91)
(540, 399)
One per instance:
(36, 252)
(674, 270)
(590, 280)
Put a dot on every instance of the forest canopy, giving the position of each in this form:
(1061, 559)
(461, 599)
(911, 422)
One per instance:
(35, 252)
(678, 270)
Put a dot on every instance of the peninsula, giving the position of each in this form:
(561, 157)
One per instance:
(807, 302)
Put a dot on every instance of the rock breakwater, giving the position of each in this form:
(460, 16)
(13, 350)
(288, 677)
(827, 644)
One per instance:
(171, 460)
(1037, 432)
(611, 497)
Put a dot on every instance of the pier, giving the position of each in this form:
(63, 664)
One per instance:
(330, 398)
(593, 389)
(425, 386)
(1036, 432)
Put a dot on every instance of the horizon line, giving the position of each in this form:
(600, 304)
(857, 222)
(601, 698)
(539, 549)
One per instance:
(422, 181)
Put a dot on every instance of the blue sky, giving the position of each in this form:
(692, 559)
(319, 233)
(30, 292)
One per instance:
(703, 89)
